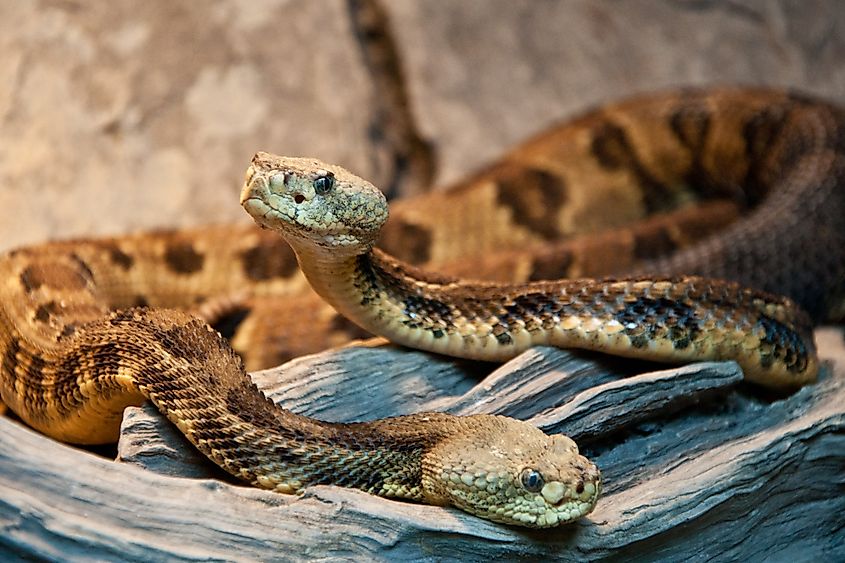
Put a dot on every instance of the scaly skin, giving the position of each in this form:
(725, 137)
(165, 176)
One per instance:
(69, 366)
(331, 218)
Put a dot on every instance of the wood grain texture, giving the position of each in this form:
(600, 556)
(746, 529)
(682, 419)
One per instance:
(732, 475)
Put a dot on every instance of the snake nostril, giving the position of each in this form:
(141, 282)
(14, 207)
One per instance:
(580, 487)
(299, 198)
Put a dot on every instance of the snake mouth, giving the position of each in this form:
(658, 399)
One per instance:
(266, 215)
(566, 502)
(256, 199)
(557, 504)
(295, 220)
(565, 510)
(250, 172)
(557, 494)
(287, 222)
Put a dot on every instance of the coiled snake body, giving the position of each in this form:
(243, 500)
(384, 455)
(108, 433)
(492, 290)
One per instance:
(69, 366)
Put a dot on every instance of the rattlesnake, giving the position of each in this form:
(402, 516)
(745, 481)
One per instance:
(70, 366)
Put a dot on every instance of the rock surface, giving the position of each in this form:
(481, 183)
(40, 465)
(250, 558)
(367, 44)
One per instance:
(123, 116)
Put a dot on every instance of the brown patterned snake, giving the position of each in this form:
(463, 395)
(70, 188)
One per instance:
(69, 367)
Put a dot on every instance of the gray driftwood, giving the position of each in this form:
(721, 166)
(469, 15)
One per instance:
(695, 466)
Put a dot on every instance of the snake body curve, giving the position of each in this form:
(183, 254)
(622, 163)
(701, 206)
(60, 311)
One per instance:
(70, 365)
(333, 230)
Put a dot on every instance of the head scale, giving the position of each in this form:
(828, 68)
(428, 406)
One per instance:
(313, 203)
(509, 471)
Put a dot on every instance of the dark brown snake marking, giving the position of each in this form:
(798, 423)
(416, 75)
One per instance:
(401, 156)
(69, 367)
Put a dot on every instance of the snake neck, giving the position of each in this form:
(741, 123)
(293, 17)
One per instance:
(676, 319)
(370, 287)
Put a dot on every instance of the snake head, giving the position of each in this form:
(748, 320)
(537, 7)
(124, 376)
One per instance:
(312, 204)
(511, 472)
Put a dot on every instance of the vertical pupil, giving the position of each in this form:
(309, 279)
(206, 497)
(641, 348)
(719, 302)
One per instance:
(323, 184)
(531, 480)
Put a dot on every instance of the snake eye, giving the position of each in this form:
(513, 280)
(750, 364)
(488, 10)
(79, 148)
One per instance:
(532, 481)
(324, 183)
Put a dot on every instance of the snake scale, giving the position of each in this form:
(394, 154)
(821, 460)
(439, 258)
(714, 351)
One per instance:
(88, 327)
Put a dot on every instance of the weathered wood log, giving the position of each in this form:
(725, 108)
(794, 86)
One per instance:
(694, 466)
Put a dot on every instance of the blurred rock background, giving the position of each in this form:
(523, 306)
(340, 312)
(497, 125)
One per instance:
(123, 115)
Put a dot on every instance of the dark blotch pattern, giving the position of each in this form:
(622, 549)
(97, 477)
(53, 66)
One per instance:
(536, 311)
(57, 275)
(35, 368)
(10, 360)
(530, 305)
(270, 259)
(781, 343)
(551, 265)
(533, 311)
(227, 325)
(30, 279)
(182, 258)
(368, 283)
(421, 312)
(84, 269)
(761, 133)
(406, 241)
(47, 310)
(120, 258)
(122, 316)
(500, 331)
(534, 197)
(691, 124)
(614, 151)
(67, 331)
(647, 319)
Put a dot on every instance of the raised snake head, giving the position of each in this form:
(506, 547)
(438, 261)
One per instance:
(309, 201)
